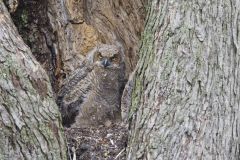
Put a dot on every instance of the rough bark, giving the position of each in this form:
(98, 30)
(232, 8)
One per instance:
(33, 24)
(185, 102)
(30, 126)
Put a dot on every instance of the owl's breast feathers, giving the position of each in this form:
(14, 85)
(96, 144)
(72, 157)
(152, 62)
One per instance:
(91, 93)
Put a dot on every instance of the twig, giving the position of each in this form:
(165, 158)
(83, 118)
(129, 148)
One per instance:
(120, 153)
(74, 153)
(69, 154)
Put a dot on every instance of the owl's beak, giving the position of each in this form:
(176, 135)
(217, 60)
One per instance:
(105, 63)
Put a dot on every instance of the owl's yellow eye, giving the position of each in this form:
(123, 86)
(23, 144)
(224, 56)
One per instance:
(100, 56)
(114, 59)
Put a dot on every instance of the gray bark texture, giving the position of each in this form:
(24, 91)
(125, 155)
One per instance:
(185, 100)
(30, 126)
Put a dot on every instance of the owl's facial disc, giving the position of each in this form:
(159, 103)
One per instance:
(107, 58)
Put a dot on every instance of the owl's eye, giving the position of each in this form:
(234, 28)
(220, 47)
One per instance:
(114, 58)
(100, 56)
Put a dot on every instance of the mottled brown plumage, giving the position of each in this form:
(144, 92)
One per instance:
(92, 94)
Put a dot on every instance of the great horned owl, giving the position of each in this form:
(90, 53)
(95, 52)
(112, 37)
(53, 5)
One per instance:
(92, 95)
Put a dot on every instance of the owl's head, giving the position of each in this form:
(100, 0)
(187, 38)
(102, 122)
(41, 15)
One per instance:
(108, 56)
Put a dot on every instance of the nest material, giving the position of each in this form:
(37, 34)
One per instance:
(101, 143)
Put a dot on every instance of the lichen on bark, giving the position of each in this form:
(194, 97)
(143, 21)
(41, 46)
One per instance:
(29, 117)
(187, 106)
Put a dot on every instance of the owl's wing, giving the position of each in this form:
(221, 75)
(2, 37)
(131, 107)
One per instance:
(73, 91)
(80, 74)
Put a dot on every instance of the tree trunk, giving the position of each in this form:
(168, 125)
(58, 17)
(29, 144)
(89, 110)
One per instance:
(185, 101)
(30, 126)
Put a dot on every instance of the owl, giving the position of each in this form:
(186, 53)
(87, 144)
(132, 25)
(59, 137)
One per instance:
(91, 95)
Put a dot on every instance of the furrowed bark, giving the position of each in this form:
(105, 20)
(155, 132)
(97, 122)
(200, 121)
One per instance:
(30, 126)
(185, 102)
